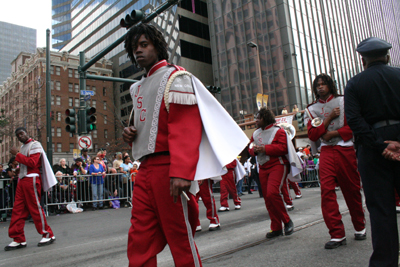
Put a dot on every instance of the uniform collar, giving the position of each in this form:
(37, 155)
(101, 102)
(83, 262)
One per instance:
(29, 140)
(157, 66)
(269, 126)
(325, 101)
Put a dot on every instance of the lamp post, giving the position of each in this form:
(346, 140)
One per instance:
(254, 45)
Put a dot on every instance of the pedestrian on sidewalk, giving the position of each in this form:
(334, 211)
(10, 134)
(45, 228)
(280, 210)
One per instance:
(325, 120)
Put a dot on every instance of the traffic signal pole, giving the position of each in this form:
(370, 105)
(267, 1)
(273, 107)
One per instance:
(83, 66)
(49, 144)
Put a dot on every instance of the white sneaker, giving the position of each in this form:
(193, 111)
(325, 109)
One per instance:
(200, 199)
(198, 228)
(223, 209)
(289, 207)
(14, 245)
(46, 241)
(298, 196)
(237, 207)
(214, 227)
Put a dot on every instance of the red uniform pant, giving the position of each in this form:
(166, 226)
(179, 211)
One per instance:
(338, 165)
(272, 180)
(156, 220)
(207, 196)
(27, 201)
(228, 186)
(286, 193)
(295, 187)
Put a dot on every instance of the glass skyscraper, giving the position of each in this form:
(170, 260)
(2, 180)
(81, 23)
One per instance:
(14, 39)
(292, 41)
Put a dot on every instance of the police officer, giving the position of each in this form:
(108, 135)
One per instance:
(372, 107)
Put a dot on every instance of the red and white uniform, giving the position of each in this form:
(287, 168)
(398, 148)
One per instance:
(207, 196)
(337, 165)
(27, 196)
(228, 186)
(169, 142)
(274, 168)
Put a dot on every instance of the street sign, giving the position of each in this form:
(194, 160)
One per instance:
(87, 92)
(85, 141)
(87, 97)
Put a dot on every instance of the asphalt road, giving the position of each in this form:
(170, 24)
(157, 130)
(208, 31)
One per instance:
(99, 238)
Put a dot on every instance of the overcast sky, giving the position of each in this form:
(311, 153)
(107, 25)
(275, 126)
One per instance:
(35, 14)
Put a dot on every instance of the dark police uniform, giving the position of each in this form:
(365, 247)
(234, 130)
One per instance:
(372, 107)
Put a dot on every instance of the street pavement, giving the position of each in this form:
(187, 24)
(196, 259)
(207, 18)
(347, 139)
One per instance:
(99, 238)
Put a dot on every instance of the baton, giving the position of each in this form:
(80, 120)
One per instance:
(186, 196)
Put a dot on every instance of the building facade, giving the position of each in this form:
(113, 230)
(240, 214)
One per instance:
(277, 47)
(23, 102)
(13, 40)
(96, 24)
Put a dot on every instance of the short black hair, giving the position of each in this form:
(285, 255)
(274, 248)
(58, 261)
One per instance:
(328, 81)
(151, 33)
(85, 150)
(267, 115)
(20, 129)
(125, 158)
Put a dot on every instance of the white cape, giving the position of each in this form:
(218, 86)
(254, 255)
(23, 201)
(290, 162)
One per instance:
(295, 165)
(240, 172)
(48, 178)
(222, 139)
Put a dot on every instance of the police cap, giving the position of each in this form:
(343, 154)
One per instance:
(373, 47)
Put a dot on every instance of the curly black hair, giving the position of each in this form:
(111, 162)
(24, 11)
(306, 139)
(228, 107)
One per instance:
(267, 115)
(328, 81)
(151, 33)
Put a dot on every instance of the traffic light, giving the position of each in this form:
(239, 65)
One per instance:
(70, 120)
(214, 89)
(90, 119)
(300, 120)
(131, 19)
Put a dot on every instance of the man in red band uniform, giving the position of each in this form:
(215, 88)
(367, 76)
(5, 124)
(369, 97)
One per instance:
(337, 163)
(27, 197)
(270, 145)
(228, 186)
(207, 197)
(167, 144)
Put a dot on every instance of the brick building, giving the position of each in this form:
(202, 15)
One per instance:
(23, 102)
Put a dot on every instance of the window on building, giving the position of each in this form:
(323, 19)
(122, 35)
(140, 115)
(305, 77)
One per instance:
(70, 73)
(51, 85)
(58, 70)
(58, 100)
(71, 147)
(58, 86)
(105, 119)
(105, 134)
(76, 74)
(96, 147)
(94, 103)
(104, 91)
(51, 70)
(58, 132)
(104, 105)
(52, 131)
(70, 102)
(77, 102)
(52, 100)
(59, 147)
(71, 135)
(58, 116)
(94, 89)
(70, 87)
(53, 146)
(76, 88)
(88, 87)
(94, 133)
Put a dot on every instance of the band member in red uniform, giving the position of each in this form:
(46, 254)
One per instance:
(326, 121)
(167, 144)
(271, 145)
(228, 186)
(27, 197)
(207, 197)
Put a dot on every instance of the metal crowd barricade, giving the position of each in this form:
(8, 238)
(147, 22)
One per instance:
(7, 195)
(310, 177)
(79, 189)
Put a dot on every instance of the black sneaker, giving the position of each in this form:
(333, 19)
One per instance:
(360, 236)
(273, 234)
(335, 244)
(289, 227)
